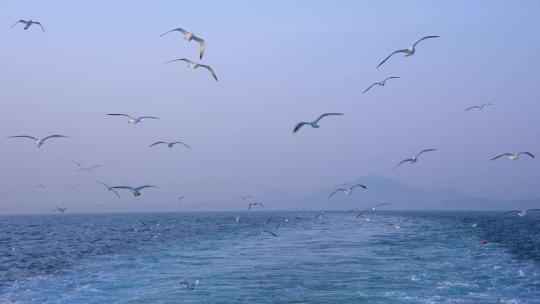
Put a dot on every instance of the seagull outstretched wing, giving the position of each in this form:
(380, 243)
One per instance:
(23, 136)
(39, 23)
(147, 117)
(327, 114)
(393, 53)
(505, 154)
(209, 70)
(181, 59)
(54, 136)
(145, 186)
(358, 185)
(183, 144)
(299, 125)
(424, 151)
(424, 38)
(404, 161)
(526, 153)
(371, 86)
(176, 29)
(336, 191)
(201, 42)
(157, 143)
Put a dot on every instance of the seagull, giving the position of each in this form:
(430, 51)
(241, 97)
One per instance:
(520, 213)
(347, 191)
(251, 205)
(182, 197)
(409, 51)
(398, 226)
(28, 24)
(189, 36)
(269, 232)
(313, 124)
(39, 141)
(514, 156)
(134, 120)
(194, 66)
(109, 188)
(374, 208)
(237, 219)
(78, 163)
(169, 144)
(39, 186)
(135, 190)
(61, 210)
(245, 197)
(480, 107)
(414, 159)
(89, 169)
(382, 83)
(190, 285)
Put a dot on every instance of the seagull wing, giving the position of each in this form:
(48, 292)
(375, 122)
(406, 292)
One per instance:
(145, 186)
(327, 114)
(393, 53)
(23, 136)
(424, 38)
(210, 70)
(176, 29)
(526, 153)
(157, 143)
(424, 151)
(181, 59)
(125, 115)
(147, 117)
(271, 233)
(20, 21)
(362, 212)
(299, 125)
(505, 213)
(505, 154)
(403, 161)
(405, 221)
(39, 23)
(336, 191)
(54, 136)
(123, 187)
(115, 192)
(473, 107)
(391, 77)
(183, 144)
(358, 185)
(376, 83)
(201, 42)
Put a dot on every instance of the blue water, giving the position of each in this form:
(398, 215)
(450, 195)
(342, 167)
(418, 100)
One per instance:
(438, 257)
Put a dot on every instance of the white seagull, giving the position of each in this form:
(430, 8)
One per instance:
(347, 191)
(382, 83)
(521, 213)
(414, 159)
(408, 51)
(169, 144)
(89, 169)
(313, 124)
(135, 190)
(28, 24)
(189, 36)
(194, 66)
(398, 225)
(190, 285)
(134, 120)
(514, 156)
(38, 141)
(480, 107)
(251, 205)
(109, 188)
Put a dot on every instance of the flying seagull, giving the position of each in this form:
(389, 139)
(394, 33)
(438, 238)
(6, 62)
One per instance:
(269, 232)
(189, 36)
(514, 156)
(398, 225)
(251, 205)
(374, 208)
(191, 285)
(194, 66)
(313, 124)
(59, 209)
(245, 197)
(182, 197)
(38, 141)
(89, 169)
(518, 212)
(414, 159)
(480, 107)
(134, 120)
(109, 188)
(382, 83)
(28, 24)
(347, 191)
(408, 51)
(135, 190)
(169, 144)
(78, 163)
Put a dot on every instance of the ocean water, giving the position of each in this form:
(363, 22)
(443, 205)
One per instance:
(437, 257)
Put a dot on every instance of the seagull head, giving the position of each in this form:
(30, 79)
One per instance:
(188, 36)
(513, 157)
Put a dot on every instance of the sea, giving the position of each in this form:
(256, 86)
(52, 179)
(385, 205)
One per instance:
(270, 257)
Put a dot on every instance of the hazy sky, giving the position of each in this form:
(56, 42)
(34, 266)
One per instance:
(278, 62)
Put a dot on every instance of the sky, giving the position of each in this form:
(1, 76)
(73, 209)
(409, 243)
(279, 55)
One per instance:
(278, 63)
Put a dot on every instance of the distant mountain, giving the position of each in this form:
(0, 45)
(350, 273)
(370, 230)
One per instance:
(386, 190)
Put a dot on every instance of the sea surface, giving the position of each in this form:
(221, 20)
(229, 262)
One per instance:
(436, 257)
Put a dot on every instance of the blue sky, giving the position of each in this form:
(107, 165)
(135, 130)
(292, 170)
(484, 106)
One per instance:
(278, 62)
